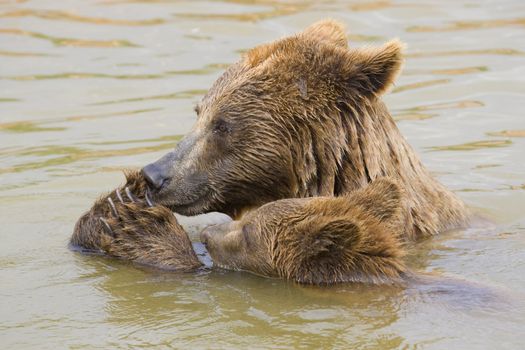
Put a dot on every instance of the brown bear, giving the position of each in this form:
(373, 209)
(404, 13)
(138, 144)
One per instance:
(296, 118)
(317, 240)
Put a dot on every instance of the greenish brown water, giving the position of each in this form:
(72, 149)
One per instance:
(90, 87)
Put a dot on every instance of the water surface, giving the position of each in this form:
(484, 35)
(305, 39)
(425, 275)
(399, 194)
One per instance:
(90, 87)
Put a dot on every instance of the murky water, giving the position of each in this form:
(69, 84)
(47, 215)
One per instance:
(90, 87)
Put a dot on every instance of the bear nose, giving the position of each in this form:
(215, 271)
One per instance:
(154, 176)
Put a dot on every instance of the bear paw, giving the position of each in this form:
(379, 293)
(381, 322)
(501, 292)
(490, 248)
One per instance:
(138, 231)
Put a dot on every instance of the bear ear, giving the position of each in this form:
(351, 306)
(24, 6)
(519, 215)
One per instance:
(261, 53)
(329, 31)
(383, 199)
(371, 71)
(315, 251)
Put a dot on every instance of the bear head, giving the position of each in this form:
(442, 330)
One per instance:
(271, 127)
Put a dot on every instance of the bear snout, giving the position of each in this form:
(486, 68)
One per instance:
(154, 176)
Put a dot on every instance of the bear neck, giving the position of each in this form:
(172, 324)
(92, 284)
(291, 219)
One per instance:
(347, 147)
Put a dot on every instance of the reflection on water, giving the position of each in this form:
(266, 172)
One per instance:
(508, 133)
(69, 16)
(265, 10)
(451, 71)
(24, 54)
(67, 155)
(210, 68)
(30, 126)
(420, 84)
(472, 146)
(468, 25)
(68, 41)
(175, 95)
(504, 52)
(90, 88)
(420, 112)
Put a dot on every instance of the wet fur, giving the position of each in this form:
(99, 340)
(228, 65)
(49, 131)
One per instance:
(138, 233)
(88, 229)
(320, 137)
(319, 240)
(303, 117)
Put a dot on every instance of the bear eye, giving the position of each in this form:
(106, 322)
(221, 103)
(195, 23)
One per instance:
(221, 127)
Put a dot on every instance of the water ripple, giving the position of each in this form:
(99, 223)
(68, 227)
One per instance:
(68, 16)
(68, 41)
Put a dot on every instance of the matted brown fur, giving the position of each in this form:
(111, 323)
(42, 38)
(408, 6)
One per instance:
(319, 240)
(150, 236)
(87, 231)
(136, 232)
(301, 117)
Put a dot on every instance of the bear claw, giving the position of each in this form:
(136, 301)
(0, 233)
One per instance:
(129, 194)
(119, 196)
(113, 208)
(107, 227)
(148, 199)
